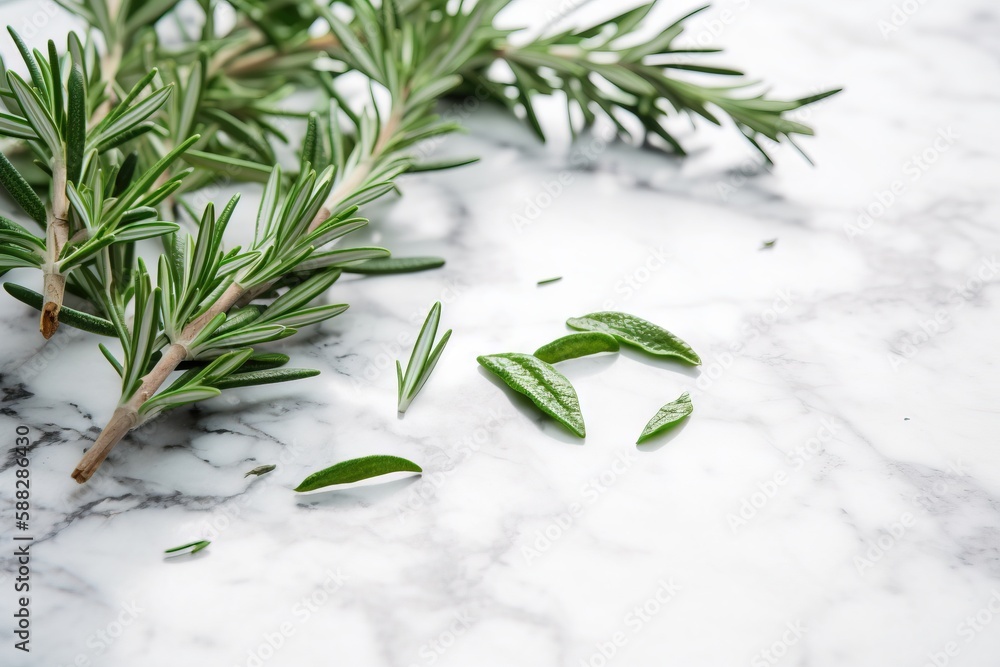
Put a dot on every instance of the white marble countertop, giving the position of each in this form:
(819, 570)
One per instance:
(833, 501)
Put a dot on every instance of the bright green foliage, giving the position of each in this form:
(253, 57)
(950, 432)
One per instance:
(547, 388)
(577, 345)
(423, 359)
(637, 332)
(134, 133)
(667, 417)
(357, 470)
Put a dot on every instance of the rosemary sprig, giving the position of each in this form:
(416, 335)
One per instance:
(131, 138)
(604, 70)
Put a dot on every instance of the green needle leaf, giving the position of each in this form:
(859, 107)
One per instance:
(29, 60)
(37, 114)
(234, 167)
(548, 281)
(260, 470)
(387, 265)
(577, 345)
(255, 378)
(76, 129)
(14, 183)
(67, 315)
(441, 165)
(423, 359)
(356, 470)
(194, 546)
(668, 416)
(637, 332)
(547, 388)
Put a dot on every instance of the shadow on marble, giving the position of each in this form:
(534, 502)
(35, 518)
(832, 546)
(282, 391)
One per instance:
(587, 366)
(363, 493)
(659, 362)
(185, 558)
(523, 404)
(663, 439)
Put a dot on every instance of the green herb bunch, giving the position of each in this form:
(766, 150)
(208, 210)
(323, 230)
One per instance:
(116, 136)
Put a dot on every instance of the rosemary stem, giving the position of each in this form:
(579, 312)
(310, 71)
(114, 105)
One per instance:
(57, 230)
(126, 415)
(357, 177)
(57, 235)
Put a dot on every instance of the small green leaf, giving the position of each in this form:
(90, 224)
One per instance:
(264, 361)
(16, 127)
(440, 165)
(767, 245)
(311, 148)
(550, 280)
(76, 129)
(423, 359)
(356, 470)
(297, 297)
(625, 79)
(243, 170)
(668, 416)
(340, 258)
(169, 400)
(389, 265)
(260, 470)
(132, 117)
(194, 546)
(637, 332)
(144, 230)
(29, 60)
(37, 114)
(117, 365)
(14, 183)
(577, 345)
(254, 378)
(67, 315)
(547, 388)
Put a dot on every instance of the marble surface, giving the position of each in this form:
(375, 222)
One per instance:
(834, 500)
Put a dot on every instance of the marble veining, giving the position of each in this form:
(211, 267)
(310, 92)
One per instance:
(833, 501)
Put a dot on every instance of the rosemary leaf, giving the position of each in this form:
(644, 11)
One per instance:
(356, 470)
